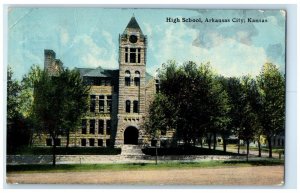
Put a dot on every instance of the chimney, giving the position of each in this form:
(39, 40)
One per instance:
(49, 57)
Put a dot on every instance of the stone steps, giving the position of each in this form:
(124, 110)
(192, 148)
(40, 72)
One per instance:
(134, 150)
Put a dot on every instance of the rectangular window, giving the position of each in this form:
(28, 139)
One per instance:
(101, 103)
(100, 142)
(139, 55)
(101, 126)
(108, 127)
(132, 55)
(92, 142)
(126, 55)
(107, 142)
(83, 142)
(107, 82)
(135, 106)
(102, 82)
(92, 126)
(83, 126)
(92, 103)
(49, 142)
(109, 103)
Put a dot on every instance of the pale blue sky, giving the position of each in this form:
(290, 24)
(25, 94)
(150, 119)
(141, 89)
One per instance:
(88, 37)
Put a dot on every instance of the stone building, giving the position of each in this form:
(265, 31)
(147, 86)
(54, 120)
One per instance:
(118, 98)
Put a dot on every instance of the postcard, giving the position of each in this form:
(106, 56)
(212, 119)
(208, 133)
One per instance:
(145, 96)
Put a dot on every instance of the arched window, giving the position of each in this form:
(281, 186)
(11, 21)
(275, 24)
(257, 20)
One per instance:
(127, 78)
(137, 78)
(136, 106)
(127, 104)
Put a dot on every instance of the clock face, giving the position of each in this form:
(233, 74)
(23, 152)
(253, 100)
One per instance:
(133, 38)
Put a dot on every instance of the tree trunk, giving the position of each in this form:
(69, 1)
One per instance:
(201, 143)
(259, 147)
(68, 138)
(238, 146)
(224, 143)
(247, 150)
(209, 141)
(270, 146)
(54, 152)
(215, 140)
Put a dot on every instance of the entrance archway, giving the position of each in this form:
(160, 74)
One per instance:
(131, 135)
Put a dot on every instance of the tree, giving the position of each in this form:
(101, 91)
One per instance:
(13, 91)
(272, 89)
(75, 94)
(57, 103)
(27, 99)
(160, 116)
(17, 129)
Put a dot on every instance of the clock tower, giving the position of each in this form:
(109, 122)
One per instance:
(132, 93)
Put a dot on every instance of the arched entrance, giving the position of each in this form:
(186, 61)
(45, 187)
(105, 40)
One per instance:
(131, 135)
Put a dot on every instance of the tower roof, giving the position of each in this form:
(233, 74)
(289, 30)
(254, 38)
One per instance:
(133, 24)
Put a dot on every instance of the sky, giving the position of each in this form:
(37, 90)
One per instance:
(88, 37)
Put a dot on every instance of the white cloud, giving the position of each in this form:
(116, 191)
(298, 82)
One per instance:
(228, 56)
(94, 55)
(64, 36)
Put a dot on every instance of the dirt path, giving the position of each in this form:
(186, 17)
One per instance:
(260, 175)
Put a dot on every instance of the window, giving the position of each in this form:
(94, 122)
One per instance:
(127, 78)
(101, 126)
(127, 103)
(83, 142)
(139, 55)
(49, 142)
(57, 142)
(83, 126)
(132, 55)
(92, 142)
(92, 126)
(135, 106)
(101, 103)
(137, 78)
(109, 104)
(100, 142)
(92, 103)
(107, 142)
(107, 83)
(126, 55)
(108, 127)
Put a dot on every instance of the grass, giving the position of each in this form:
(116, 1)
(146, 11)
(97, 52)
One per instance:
(140, 166)
(64, 151)
(186, 151)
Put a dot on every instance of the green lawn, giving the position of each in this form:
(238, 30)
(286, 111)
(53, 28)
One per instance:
(142, 166)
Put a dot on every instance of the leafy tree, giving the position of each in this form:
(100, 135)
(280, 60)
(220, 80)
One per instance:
(272, 89)
(17, 129)
(27, 99)
(13, 91)
(160, 116)
(59, 102)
